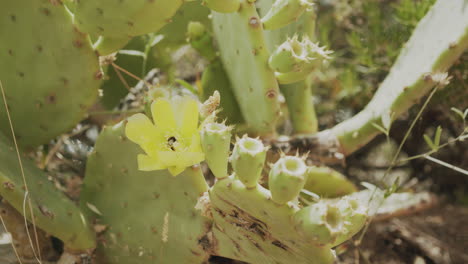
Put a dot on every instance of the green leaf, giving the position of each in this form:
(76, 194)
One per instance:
(459, 112)
(187, 85)
(438, 133)
(429, 142)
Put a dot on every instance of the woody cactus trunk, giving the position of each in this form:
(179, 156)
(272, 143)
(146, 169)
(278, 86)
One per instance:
(145, 182)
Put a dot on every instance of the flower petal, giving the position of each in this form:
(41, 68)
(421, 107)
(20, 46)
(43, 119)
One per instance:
(140, 129)
(185, 159)
(195, 144)
(148, 163)
(187, 117)
(163, 115)
(176, 170)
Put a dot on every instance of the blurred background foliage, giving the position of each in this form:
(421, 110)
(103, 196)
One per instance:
(366, 37)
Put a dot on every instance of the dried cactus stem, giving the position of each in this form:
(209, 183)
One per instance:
(416, 71)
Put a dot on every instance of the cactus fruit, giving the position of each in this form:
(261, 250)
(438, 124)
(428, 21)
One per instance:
(144, 184)
(287, 178)
(298, 95)
(249, 226)
(216, 143)
(47, 62)
(247, 159)
(330, 224)
(294, 60)
(53, 211)
(248, 83)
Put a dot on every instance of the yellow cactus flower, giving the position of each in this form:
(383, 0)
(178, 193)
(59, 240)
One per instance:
(173, 141)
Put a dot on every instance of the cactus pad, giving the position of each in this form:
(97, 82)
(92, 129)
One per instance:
(53, 211)
(48, 69)
(245, 58)
(250, 227)
(150, 216)
(125, 18)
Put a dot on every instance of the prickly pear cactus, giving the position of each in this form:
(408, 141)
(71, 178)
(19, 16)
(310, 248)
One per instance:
(259, 225)
(214, 77)
(275, 48)
(180, 219)
(298, 95)
(245, 60)
(53, 211)
(150, 217)
(151, 202)
(251, 227)
(118, 21)
(44, 61)
(174, 32)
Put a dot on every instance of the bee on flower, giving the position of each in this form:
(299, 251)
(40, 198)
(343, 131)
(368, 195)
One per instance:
(171, 140)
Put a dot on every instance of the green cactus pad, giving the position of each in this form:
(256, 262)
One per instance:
(106, 46)
(201, 40)
(328, 182)
(53, 211)
(150, 216)
(301, 108)
(250, 227)
(125, 18)
(49, 71)
(175, 31)
(223, 6)
(245, 57)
